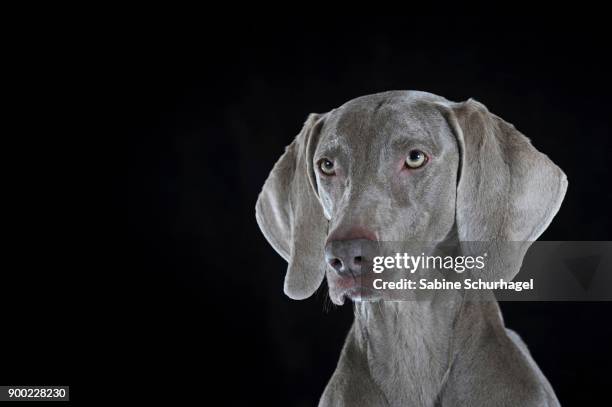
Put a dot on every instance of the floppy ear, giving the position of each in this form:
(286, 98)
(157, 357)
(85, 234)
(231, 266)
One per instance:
(507, 193)
(290, 215)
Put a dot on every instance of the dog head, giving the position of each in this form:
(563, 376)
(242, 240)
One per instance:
(402, 166)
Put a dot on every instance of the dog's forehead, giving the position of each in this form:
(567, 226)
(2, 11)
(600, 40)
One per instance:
(382, 117)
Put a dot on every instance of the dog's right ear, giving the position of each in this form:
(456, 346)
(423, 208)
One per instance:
(290, 215)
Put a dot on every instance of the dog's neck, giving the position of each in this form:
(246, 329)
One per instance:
(410, 346)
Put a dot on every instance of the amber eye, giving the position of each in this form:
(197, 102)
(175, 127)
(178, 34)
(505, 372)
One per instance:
(416, 159)
(327, 167)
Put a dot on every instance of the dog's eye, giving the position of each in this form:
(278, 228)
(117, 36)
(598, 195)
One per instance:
(327, 167)
(416, 159)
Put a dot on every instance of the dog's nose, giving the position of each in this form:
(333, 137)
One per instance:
(346, 257)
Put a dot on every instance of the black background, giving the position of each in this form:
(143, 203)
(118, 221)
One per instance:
(205, 109)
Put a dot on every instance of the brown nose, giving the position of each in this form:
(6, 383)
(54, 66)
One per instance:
(346, 257)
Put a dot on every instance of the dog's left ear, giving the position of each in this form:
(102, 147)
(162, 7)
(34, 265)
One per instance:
(290, 215)
(507, 192)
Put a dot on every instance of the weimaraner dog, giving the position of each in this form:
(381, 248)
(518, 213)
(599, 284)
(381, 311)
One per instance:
(401, 166)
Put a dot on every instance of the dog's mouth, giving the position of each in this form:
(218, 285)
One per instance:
(353, 288)
(360, 294)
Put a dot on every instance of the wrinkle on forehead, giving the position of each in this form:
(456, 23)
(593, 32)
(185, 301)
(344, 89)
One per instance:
(380, 124)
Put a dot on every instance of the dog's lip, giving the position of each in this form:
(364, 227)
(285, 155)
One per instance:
(351, 282)
(359, 292)
(351, 287)
(346, 282)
